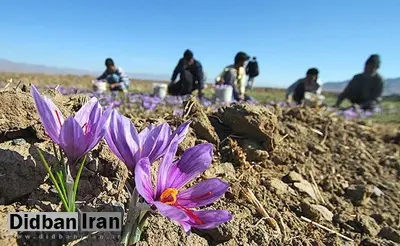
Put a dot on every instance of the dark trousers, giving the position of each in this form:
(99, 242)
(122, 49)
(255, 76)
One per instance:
(365, 105)
(250, 82)
(114, 79)
(184, 86)
(298, 94)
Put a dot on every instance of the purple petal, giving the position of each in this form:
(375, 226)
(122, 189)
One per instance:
(156, 142)
(121, 137)
(209, 218)
(203, 193)
(193, 162)
(171, 212)
(71, 136)
(51, 117)
(143, 134)
(97, 128)
(143, 180)
(186, 227)
(180, 133)
(174, 140)
(178, 112)
(105, 118)
(91, 110)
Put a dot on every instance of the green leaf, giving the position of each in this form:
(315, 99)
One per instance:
(138, 228)
(78, 176)
(53, 180)
(61, 182)
(132, 218)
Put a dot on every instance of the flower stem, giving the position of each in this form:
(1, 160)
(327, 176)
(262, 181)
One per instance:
(131, 218)
(137, 229)
(69, 183)
(77, 178)
(53, 179)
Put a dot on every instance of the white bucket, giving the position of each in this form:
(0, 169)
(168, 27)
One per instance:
(313, 99)
(160, 90)
(99, 86)
(224, 93)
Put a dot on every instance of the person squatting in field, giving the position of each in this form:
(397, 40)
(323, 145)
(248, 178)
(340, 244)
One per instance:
(296, 92)
(115, 76)
(252, 71)
(191, 76)
(365, 89)
(235, 75)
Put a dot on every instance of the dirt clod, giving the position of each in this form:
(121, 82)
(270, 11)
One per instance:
(390, 234)
(369, 225)
(21, 170)
(306, 188)
(359, 194)
(277, 186)
(293, 177)
(316, 212)
(200, 122)
(253, 122)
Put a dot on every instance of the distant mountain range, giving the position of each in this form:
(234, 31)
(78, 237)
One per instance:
(18, 67)
(392, 85)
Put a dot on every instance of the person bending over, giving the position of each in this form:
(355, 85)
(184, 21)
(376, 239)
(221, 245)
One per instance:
(191, 76)
(296, 92)
(115, 76)
(235, 76)
(365, 89)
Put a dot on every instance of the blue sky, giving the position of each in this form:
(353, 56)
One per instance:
(287, 37)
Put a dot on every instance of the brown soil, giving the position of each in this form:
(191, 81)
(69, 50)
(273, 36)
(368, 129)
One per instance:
(297, 162)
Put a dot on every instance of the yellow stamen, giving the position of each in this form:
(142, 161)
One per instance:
(169, 196)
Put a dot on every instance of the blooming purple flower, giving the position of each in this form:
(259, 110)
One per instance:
(76, 135)
(175, 203)
(129, 145)
(177, 112)
(368, 113)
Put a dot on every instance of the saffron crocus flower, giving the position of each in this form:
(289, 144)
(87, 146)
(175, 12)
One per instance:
(130, 146)
(176, 203)
(77, 135)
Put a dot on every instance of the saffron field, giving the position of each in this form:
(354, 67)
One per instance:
(257, 173)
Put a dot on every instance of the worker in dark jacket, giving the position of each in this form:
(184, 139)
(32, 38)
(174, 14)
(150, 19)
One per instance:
(252, 71)
(296, 92)
(365, 89)
(191, 76)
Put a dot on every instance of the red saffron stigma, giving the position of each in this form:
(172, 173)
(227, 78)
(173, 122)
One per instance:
(190, 214)
(85, 128)
(203, 196)
(58, 117)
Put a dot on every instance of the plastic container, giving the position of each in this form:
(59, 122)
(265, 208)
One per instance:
(224, 93)
(160, 90)
(313, 99)
(99, 86)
